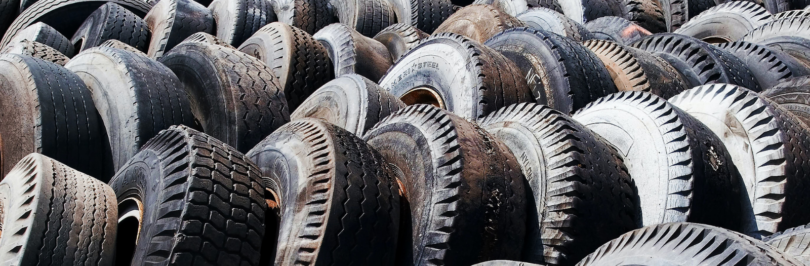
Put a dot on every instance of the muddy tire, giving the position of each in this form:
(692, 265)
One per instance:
(792, 94)
(616, 29)
(111, 21)
(545, 19)
(768, 147)
(44, 34)
(565, 164)
(478, 22)
(350, 188)
(368, 17)
(37, 50)
(566, 77)
(237, 20)
(399, 39)
(726, 22)
(202, 37)
(353, 53)
(41, 194)
(792, 242)
(425, 15)
(769, 67)
(189, 199)
(235, 97)
(449, 169)
(300, 62)
(308, 15)
(511, 7)
(120, 45)
(787, 35)
(172, 21)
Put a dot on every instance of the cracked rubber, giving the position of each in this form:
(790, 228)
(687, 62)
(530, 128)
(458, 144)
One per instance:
(206, 38)
(425, 15)
(726, 22)
(541, 18)
(792, 242)
(172, 21)
(37, 50)
(47, 35)
(784, 35)
(511, 7)
(368, 17)
(792, 94)
(400, 38)
(111, 21)
(237, 20)
(308, 15)
(352, 52)
(616, 29)
(769, 66)
(478, 22)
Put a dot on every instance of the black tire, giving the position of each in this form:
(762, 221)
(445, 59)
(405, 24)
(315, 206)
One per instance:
(206, 38)
(551, 4)
(616, 29)
(646, 13)
(686, 244)
(350, 188)
(767, 144)
(793, 95)
(769, 67)
(425, 15)
(235, 97)
(560, 72)
(676, 13)
(790, 14)
(788, 35)
(353, 53)
(368, 17)
(172, 21)
(636, 70)
(478, 22)
(37, 50)
(463, 76)
(541, 18)
(511, 7)
(565, 165)
(300, 62)
(44, 34)
(792, 242)
(776, 6)
(53, 13)
(352, 102)
(399, 39)
(111, 21)
(55, 215)
(699, 62)
(48, 110)
(237, 20)
(120, 45)
(681, 168)
(189, 199)
(8, 12)
(726, 22)
(463, 192)
(308, 15)
(505, 263)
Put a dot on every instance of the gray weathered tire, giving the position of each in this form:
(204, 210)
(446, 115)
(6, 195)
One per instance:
(351, 52)
(681, 168)
(541, 18)
(55, 215)
(560, 72)
(44, 34)
(172, 21)
(767, 144)
(463, 198)
(188, 199)
(399, 39)
(769, 66)
(511, 7)
(351, 101)
(425, 15)
(726, 22)
(368, 17)
(478, 22)
(348, 211)
(616, 29)
(792, 94)
(308, 15)
(457, 74)
(581, 195)
(645, 13)
(792, 242)
(237, 20)
(111, 21)
(300, 62)
(683, 244)
(37, 50)
(676, 13)
(202, 37)
(120, 45)
(789, 35)
(235, 97)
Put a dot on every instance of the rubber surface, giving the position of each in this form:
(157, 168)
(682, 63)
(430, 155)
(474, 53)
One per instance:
(111, 21)
(425, 15)
(769, 66)
(478, 22)
(352, 52)
(784, 35)
(119, 45)
(399, 39)
(206, 38)
(237, 20)
(172, 21)
(793, 95)
(636, 70)
(368, 17)
(616, 29)
(37, 50)
(726, 22)
(792, 242)
(47, 35)
(545, 19)
(308, 15)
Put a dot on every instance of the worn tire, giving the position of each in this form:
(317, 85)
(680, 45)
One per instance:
(368, 17)
(120, 45)
(581, 193)
(44, 34)
(189, 199)
(425, 15)
(766, 143)
(351, 52)
(676, 13)
(769, 67)
(645, 13)
(463, 192)
(790, 14)
(400, 38)
(788, 35)
(55, 215)
(505, 263)
(560, 72)
(235, 97)
(349, 211)
(616, 29)
(308, 15)
(511, 7)
(8, 12)
(478, 22)
(793, 95)
(202, 37)
(300, 62)
(541, 18)
(48, 110)
(172, 21)
(237, 20)
(551, 4)
(37, 50)
(111, 21)
(792, 242)
(726, 22)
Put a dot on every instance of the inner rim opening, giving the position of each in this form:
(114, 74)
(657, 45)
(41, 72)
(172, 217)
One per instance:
(130, 218)
(716, 40)
(423, 95)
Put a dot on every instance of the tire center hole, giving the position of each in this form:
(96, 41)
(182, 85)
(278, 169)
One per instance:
(130, 217)
(423, 95)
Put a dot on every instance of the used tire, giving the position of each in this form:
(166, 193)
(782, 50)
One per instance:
(505, 263)
(368, 17)
(399, 39)
(541, 18)
(478, 22)
(237, 20)
(425, 15)
(792, 242)
(189, 199)
(300, 62)
(55, 215)
(766, 143)
(44, 34)
(726, 22)
(616, 29)
(511, 7)
(463, 198)
(172, 21)
(790, 14)
(119, 45)
(560, 72)
(788, 35)
(37, 50)
(111, 21)
(646, 13)
(550, 4)
(8, 12)
(235, 97)
(352, 102)
(206, 38)
(48, 110)
(308, 15)
(676, 13)
(581, 195)
(769, 67)
(681, 168)
(349, 208)
(793, 95)
(351, 52)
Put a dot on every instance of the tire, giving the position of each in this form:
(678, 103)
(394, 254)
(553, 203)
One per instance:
(616, 29)
(511, 7)
(686, 244)
(172, 21)
(681, 168)
(790, 14)
(726, 22)
(37, 50)
(550, 4)
(560, 73)
(368, 17)
(775, 6)
(792, 94)
(462, 76)
(425, 15)
(235, 97)
(300, 62)
(351, 102)
(792, 243)
(478, 22)
(766, 146)
(645, 13)
(49, 111)
(636, 70)
(353, 53)
(545, 19)
(308, 15)
(699, 62)
(350, 188)
(8, 12)
(769, 67)
(52, 13)
(44, 34)
(400, 38)
(189, 197)
(785, 35)
(449, 169)
(676, 13)
(55, 215)
(202, 37)
(111, 21)
(120, 45)
(581, 194)
(237, 20)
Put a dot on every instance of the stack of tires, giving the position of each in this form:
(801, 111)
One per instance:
(420, 132)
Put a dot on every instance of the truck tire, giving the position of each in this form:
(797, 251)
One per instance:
(237, 20)
(616, 29)
(792, 243)
(726, 22)
(400, 38)
(676, 13)
(787, 35)
(44, 34)
(8, 12)
(636, 70)
(202, 37)
(550, 4)
(37, 50)
(790, 14)
(511, 7)
(793, 95)
(769, 67)
(120, 45)
(478, 22)
(646, 13)
(172, 21)
(505, 263)
(351, 52)
(111, 21)
(541, 18)
(425, 15)
(308, 15)
(368, 17)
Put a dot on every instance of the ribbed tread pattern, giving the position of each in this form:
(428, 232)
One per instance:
(790, 14)
(38, 50)
(793, 241)
(427, 15)
(237, 20)
(368, 17)
(47, 35)
(112, 21)
(559, 23)
(172, 21)
(337, 38)
(308, 15)
(764, 63)
(120, 45)
(752, 13)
